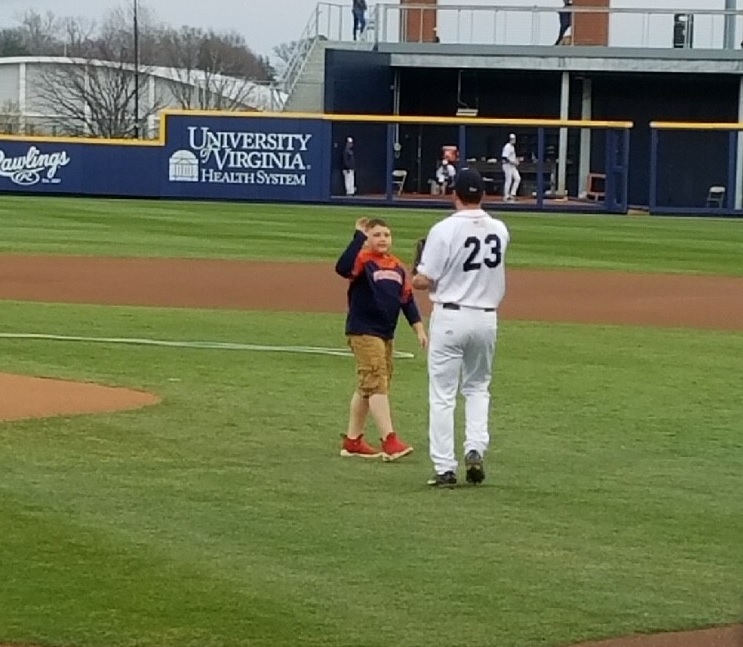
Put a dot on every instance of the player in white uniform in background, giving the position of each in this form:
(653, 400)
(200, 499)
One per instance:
(510, 163)
(463, 268)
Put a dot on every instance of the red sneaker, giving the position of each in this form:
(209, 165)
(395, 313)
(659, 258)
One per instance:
(358, 447)
(393, 448)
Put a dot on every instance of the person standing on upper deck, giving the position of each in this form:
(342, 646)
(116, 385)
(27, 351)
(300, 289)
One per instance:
(359, 17)
(566, 21)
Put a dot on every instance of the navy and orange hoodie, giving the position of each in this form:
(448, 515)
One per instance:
(378, 291)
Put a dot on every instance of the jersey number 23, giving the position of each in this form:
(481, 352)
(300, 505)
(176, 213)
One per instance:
(483, 251)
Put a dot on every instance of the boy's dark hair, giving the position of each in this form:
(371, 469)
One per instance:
(377, 222)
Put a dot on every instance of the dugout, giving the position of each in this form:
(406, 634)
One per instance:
(599, 83)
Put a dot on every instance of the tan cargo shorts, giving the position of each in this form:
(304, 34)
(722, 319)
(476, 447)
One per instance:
(373, 364)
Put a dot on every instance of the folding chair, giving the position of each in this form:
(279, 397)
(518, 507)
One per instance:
(716, 197)
(398, 179)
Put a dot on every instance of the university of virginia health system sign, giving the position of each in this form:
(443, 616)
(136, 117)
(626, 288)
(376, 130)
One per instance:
(239, 157)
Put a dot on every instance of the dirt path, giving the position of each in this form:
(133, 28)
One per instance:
(717, 637)
(570, 296)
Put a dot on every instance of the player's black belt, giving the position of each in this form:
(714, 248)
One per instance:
(456, 306)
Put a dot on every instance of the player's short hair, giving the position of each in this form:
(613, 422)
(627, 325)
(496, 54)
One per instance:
(377, 222)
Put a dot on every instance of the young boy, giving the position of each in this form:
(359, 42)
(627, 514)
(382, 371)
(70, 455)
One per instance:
(379, 289)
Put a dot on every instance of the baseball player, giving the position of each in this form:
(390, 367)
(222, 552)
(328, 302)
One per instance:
(349, 167)
(379, 289)
(510, 164)
(445, 175)
(462, 265)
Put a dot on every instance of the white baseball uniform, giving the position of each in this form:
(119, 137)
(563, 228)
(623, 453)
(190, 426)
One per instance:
(509, 162)
(349, 180)
(464, 257)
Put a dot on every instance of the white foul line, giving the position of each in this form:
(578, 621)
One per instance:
(211, 345)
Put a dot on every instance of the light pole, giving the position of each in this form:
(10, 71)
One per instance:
(136, 69)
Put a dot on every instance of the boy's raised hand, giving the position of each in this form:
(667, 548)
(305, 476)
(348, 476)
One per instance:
(362, 224)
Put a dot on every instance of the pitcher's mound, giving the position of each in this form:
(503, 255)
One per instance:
(35, 397)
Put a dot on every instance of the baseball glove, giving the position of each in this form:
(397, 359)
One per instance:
(418, 253)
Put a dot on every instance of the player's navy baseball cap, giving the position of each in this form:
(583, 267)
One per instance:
(469, 186)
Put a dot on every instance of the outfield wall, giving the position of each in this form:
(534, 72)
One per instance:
(284, 157)
(214, 157)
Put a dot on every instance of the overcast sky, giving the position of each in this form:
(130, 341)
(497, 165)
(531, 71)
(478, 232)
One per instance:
(265, 23)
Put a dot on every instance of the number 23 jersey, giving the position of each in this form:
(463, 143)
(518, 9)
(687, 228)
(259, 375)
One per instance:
(465, 258)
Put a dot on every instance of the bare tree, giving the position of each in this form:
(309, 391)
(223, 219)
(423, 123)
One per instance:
(284, 53)
(12, 43)
(268, 67)
(47, 35)
(94, 97)
(210, 71)
(10, 117)
(94, 90)
(77, 34)
(117, 29)
(40, 33)
(230, 51)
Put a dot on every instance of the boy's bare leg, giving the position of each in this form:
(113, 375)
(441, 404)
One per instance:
(357, 417)
(379, 405)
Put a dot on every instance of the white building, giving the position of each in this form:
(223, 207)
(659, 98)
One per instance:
(38, 95)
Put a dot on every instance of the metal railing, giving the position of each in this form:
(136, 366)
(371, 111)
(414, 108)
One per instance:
(515, 25)
(522, 23)
(325, 22)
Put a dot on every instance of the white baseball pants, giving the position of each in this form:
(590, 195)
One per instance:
(513, 180)
(461, 343)
(349, 178)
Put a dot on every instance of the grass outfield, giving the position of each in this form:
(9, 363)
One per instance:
(40, 225)
(224, 517)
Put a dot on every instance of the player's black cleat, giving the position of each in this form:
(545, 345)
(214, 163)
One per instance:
(445, 480)
(475, 469)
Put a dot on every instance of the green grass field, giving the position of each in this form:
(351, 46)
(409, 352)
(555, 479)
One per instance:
(37, 225)
(224, 517)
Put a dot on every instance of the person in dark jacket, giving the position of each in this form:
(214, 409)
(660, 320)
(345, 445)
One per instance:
(349, 167)
(359, 17)
(566, 21)
(378, 290)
